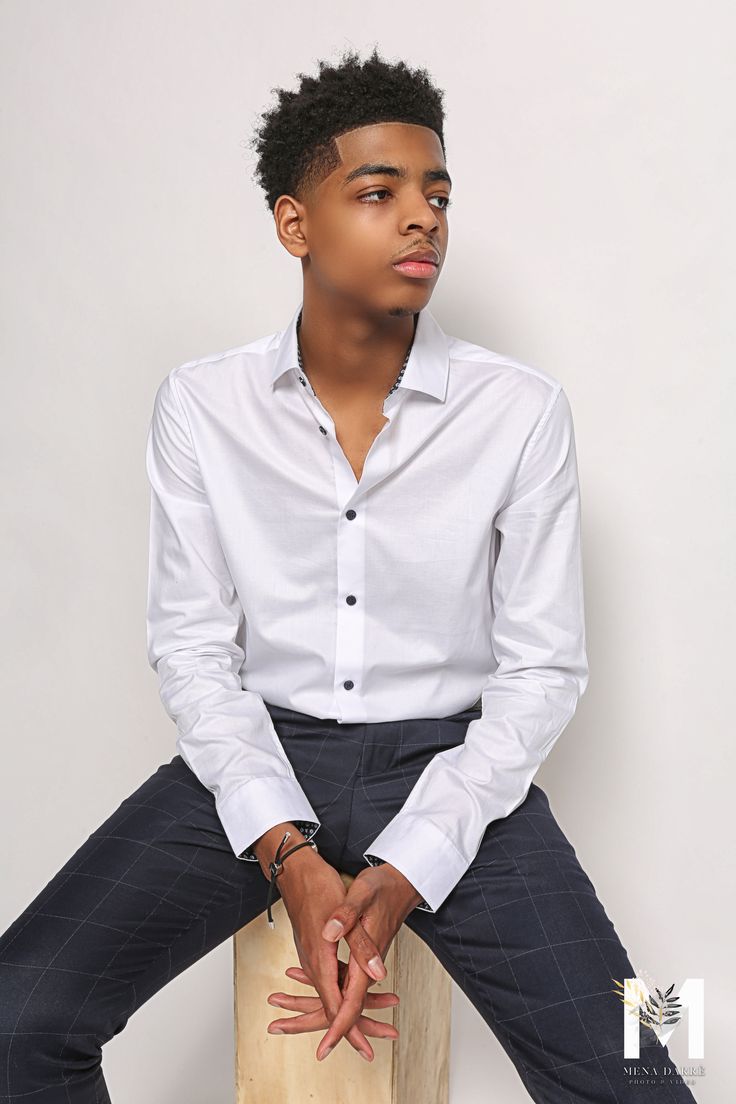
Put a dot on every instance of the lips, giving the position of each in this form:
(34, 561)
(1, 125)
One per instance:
(420, 263)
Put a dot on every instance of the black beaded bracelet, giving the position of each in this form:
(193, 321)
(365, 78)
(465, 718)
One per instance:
(277, 866)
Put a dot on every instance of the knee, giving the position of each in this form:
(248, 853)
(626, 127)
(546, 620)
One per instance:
(41, 1044)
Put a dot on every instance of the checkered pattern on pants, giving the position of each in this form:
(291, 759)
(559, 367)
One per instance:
(156, 887)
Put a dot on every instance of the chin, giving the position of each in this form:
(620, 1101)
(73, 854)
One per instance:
(402, 312)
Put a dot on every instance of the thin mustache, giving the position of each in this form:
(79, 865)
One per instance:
(422, 246)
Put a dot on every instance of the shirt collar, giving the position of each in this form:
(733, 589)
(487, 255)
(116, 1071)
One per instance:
(427, 368)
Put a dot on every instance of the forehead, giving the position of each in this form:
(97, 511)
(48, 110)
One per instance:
(416, 147)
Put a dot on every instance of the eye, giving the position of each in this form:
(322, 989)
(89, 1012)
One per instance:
(384, 191)
(376, 191)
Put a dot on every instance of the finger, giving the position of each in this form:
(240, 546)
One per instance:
(295, 1003)
(379, 1029)
(373, 1000)
(364, 950)
(296, 1025)
(298, 974)
(291, 1002)
(357, 1039)
(381, 1000)
(344, 1025)
(322, 965)
(323, 968)
(343, 920)
(343, 1022)
(345, 915)
(326, 984)
(366, 1026)
(317, 1021)
(355, 1033)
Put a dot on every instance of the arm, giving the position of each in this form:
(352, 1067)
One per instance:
(538, 639)
(225, 734)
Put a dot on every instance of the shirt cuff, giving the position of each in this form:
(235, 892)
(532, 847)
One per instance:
(306, 827)
(260, 804)
(423, 854)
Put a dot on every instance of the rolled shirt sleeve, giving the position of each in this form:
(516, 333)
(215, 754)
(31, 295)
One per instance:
(225, 734)
(538, 636)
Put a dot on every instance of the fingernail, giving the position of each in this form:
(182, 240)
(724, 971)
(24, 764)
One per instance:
(377, 969)
(365, 1054)
(274, 1000)
(332, 928)
(276, 1030)
(326, 1052)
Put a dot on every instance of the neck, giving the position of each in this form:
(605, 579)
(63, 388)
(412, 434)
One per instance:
(347, 350)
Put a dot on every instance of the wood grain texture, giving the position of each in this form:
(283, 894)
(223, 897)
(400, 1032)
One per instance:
(283, 1069)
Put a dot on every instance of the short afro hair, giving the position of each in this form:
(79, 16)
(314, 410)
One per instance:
(295, 140)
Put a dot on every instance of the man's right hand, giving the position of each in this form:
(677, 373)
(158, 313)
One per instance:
(311, 890)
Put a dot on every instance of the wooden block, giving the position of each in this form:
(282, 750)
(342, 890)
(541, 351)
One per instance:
(282, 1069)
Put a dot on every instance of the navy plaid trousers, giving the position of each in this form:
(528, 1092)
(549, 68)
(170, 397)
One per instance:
(157, 886)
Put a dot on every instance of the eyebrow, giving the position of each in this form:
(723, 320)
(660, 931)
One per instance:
(369, 168)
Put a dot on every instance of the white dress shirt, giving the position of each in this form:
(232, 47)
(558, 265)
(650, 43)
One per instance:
(449, 575)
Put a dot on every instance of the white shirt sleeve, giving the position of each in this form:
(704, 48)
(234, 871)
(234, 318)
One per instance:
(225, 733)
(538, 636)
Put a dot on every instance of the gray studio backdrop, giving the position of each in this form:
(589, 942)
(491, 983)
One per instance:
(592, 234)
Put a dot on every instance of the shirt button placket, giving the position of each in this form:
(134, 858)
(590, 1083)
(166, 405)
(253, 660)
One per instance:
(350, 561)
(349, 655)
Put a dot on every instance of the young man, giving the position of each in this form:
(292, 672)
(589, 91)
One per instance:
(366, 613)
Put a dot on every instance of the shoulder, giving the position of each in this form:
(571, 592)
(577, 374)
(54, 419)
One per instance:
(218, 372)
(504, 381)
(219, 366)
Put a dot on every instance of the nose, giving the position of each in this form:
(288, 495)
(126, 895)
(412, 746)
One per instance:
(423, 216)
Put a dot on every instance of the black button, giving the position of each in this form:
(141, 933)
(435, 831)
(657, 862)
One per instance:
(323, 430)
(351, 599)
(350, 515)
(348, 684)
(302, 380)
